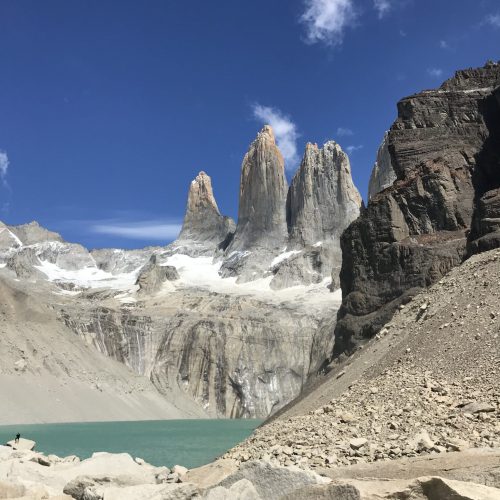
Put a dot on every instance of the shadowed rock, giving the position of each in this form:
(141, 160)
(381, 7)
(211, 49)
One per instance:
(443, 149)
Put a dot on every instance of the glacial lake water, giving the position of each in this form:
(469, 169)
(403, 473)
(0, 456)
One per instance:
(166, 442)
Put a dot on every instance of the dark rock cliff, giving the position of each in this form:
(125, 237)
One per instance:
(444, 149)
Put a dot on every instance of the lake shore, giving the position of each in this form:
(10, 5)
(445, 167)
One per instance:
(31, 475)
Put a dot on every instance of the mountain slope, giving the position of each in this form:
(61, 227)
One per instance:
(427, 383)
(49, 374)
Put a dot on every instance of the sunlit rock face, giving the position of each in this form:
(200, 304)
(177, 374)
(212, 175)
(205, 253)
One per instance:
(444, 151)
(234, 318)
(261, 230)
(204, 229)
(322, 201)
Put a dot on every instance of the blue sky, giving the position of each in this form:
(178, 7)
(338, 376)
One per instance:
(108, 109)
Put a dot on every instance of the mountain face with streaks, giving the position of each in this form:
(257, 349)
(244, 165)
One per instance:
(229, 320)
(204, 229)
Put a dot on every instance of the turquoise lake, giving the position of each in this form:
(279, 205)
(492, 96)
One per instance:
(166, 442)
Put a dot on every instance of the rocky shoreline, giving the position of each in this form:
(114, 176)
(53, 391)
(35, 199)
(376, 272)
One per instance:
(30, 475)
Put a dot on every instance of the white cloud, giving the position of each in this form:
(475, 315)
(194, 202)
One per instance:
(4, 166)
(284, 129)
(351, 149)
(443, 44)
(344, 132)
(138, 230)
(382, 7)
(327, 20)
(493, 20)
(435, 72)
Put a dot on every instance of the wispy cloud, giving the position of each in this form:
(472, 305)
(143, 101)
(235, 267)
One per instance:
(284, 129)
(382, 7)
(4, 166)
(157, 230)
(435, 72)
(493, 20)
(344, 132)
(326, 20)
(352, 149)
(443, 44)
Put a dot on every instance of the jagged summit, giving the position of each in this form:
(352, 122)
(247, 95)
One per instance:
(267, 132)
(261, 215)
(203, 223)
(322, 200)
(200, 197)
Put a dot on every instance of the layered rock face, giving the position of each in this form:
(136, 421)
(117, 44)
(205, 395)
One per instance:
(261, 230)
(443, 151)
(204, 228)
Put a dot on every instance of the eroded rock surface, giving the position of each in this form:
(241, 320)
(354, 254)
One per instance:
(204, 229)
(261, 231)
(443, 150)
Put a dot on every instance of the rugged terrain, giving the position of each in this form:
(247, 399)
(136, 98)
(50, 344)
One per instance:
(428, 383)
(226, 321)
(433, 200)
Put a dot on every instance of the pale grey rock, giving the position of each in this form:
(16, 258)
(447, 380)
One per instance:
(152, 276)
(261, 231)
(308, 266)
(204, 228)
(32, 233)
(383, 174)
(241, 490)
(236, 356)
(117, 261)
(273, 482)
(22, 444)
(8, 239)
(422, 488)
(322, 200)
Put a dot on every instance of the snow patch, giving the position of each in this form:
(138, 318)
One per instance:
(12, 236)
(283, 256)
(88, 277)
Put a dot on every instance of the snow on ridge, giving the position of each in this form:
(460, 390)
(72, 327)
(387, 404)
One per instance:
(88, 277)
(283, 256)
(12, 235)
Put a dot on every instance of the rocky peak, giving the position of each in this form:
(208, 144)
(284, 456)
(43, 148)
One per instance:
(203, 223)
(322, 200)
(201, 196)
(263, 188)
(261, 214)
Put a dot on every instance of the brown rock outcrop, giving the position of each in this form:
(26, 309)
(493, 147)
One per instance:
(444, 151)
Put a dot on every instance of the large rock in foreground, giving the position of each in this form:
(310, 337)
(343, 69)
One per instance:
(444, 152)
